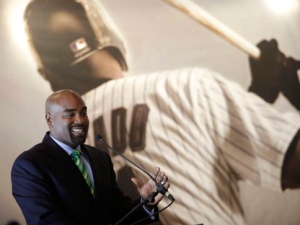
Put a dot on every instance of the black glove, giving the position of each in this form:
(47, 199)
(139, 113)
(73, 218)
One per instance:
(265, 71)
(289, 82)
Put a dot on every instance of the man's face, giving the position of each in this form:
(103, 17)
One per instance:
(67, 119)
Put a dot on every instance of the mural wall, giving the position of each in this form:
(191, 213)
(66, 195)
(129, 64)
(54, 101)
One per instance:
(157, 37)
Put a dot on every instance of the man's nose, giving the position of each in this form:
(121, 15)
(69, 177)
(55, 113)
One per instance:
(79, 119)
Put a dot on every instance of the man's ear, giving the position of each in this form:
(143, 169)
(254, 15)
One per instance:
(48, 118)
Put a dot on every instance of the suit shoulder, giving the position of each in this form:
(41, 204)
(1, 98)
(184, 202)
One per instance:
(36, 152)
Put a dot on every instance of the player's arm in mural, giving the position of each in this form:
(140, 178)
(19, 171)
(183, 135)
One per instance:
(271, 74)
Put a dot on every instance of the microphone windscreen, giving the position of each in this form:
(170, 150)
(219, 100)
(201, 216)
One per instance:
(98, 137)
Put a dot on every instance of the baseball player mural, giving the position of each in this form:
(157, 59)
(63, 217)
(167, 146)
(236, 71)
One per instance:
(205, 131)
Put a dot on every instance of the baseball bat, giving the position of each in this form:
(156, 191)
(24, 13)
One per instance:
(200, 15)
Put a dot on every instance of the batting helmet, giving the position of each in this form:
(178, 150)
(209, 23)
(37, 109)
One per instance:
(62, 33)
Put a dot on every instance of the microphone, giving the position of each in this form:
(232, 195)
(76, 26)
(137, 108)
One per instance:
(159, 187)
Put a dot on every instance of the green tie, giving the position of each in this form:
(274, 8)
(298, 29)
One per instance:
(76, 158)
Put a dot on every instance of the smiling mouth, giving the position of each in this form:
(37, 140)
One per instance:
(78, 131)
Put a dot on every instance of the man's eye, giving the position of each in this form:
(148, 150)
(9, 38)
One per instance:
(84, 114)
(69, 115)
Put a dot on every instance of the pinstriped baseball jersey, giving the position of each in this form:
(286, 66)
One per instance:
(204, 131)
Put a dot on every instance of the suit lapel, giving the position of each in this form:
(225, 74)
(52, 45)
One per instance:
(100, 173)
(64, 161)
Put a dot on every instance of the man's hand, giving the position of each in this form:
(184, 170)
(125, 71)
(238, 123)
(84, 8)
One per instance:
(146, 189)
(265, 71)
(289, 82)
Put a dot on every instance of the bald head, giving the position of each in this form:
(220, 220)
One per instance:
(66, 116)
(58, 97)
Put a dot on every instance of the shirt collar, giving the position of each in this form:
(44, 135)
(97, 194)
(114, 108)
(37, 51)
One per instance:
(65, 147)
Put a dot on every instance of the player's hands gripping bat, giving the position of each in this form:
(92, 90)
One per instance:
(266, 71)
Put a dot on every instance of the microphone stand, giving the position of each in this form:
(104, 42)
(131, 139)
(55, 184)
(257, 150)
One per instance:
(159, 187)
(150, 198)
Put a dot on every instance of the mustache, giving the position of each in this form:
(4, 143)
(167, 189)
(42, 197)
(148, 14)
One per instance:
(81, 126)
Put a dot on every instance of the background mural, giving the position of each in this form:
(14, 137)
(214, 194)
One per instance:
(158, 37)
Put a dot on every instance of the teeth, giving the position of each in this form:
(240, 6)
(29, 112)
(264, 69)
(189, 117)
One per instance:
(78, 129)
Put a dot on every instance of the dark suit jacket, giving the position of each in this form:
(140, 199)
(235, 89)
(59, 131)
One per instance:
(50, 189)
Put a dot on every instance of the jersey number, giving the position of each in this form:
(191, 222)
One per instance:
(137, 132)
